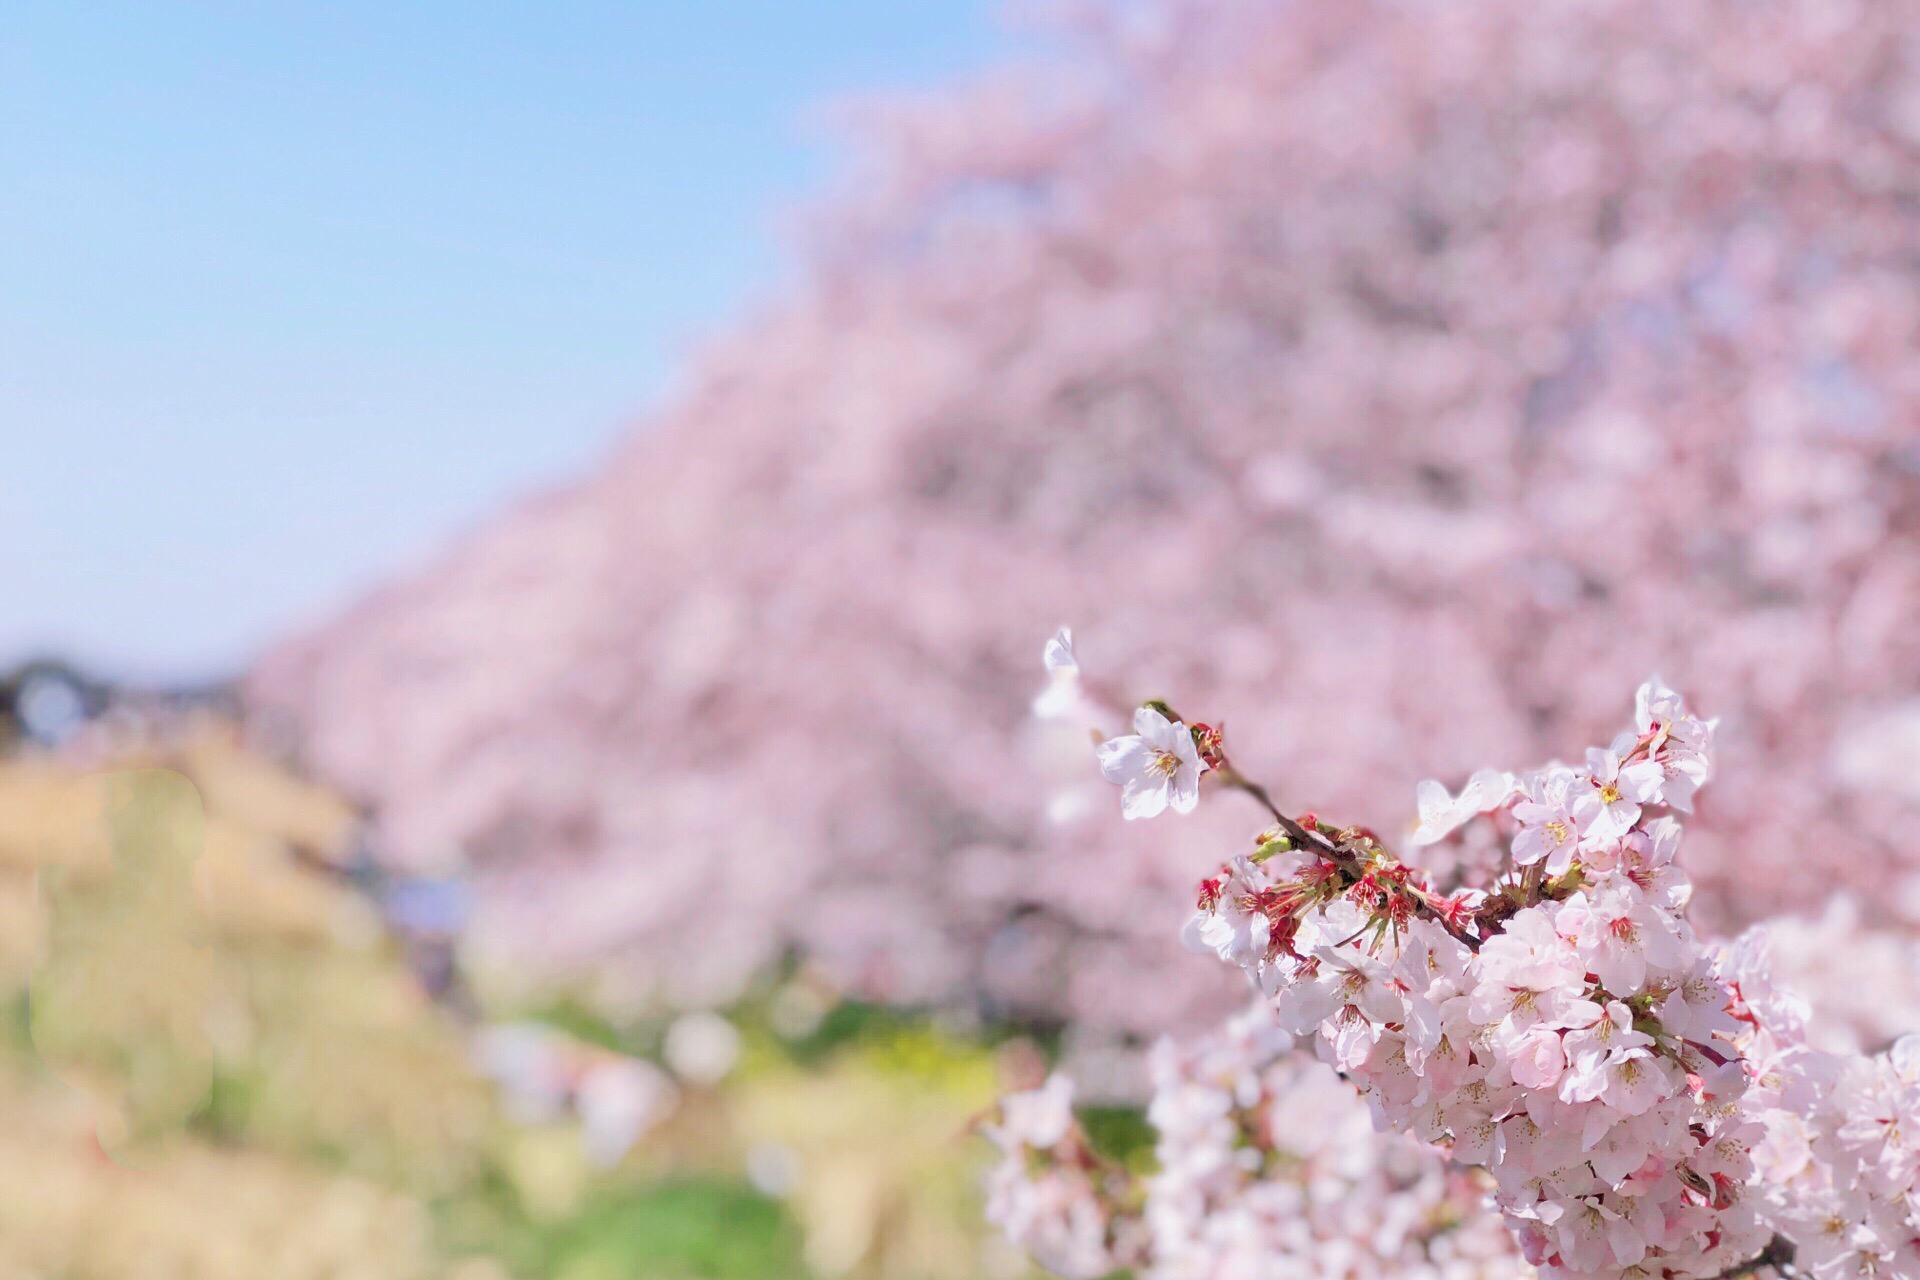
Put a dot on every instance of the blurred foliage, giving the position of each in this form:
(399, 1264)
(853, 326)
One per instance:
(879, 1135)
(695, 1227)
(1119, 1133)
(183, 936)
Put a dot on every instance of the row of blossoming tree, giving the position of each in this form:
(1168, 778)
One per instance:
(1542, 343)
(1563, 1074)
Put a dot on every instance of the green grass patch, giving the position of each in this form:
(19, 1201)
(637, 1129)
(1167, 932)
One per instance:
(692, 1229)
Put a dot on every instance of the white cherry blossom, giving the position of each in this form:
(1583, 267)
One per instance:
(1548, 830)
(1157, 767)
(1608, 802)
(1442, 812)
(1622, 935)
(1062, 698)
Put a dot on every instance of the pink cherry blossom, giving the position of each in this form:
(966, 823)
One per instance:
(1564, 1030)
(1535, 344)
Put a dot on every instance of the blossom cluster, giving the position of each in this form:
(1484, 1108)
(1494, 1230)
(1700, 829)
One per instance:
(1268, 1166)
(1052, 1195)
(1642, 1101)
(1839, 1165)
(1566, 1031)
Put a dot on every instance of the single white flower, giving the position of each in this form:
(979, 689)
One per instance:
(1156, 767)
(1058, 655)
(1442, 812)
(1622, 936)
(1608, 803)
(1537, 1058)
(1548, 829)
(1635, 1080)
(1061, 699)
(1229, 924)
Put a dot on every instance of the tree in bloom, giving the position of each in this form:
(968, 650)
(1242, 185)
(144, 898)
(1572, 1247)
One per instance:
(1453, 365)
(1642, 1102)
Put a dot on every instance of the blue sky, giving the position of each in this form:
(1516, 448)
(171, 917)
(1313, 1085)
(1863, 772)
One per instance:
(292, 292)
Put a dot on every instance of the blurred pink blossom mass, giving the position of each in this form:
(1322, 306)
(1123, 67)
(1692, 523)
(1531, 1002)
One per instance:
(1434, 372)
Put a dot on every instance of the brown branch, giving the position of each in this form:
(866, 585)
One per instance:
(1778, 1254)
(1336, 852)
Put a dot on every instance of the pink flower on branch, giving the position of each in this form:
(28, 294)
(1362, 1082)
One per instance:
(1641, 1101)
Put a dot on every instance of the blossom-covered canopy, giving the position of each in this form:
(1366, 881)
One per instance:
(1540, 344)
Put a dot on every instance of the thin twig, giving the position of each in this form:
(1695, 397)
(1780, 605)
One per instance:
(1348, 861)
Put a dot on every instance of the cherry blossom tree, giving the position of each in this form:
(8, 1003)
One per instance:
(1449, 366)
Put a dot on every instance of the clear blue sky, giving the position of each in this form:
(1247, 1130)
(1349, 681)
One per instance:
(290, 292)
